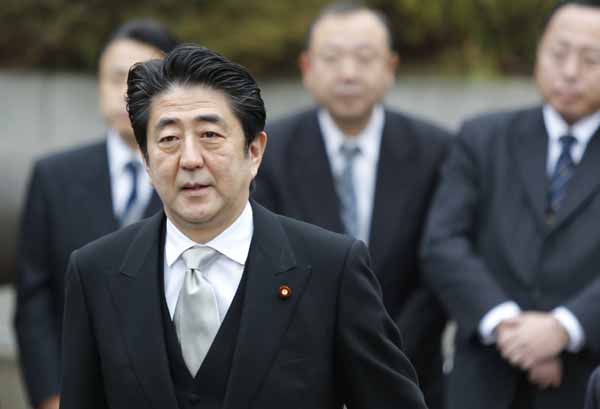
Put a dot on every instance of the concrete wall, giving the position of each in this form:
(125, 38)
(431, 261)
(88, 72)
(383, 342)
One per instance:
(40, 113)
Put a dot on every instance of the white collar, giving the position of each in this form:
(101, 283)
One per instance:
(368, 140)
(582, 130)
(119, 154)
(233, 242)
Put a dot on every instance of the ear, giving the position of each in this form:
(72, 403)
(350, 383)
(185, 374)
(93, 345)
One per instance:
(256, 151)
(304, 63)
(393, 62)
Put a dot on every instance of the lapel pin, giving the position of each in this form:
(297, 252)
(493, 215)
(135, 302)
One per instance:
(285, 292)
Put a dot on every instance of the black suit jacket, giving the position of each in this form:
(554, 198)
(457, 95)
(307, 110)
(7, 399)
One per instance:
(592, 399)
(487, 242)
(295, 179)
(319, 348)
(68, 204)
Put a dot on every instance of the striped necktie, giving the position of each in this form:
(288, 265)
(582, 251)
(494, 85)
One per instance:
(559, 181)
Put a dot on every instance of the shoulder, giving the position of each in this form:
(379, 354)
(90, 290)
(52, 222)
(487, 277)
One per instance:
(499, 120)
(482, 132)
(108, 252)
(283, 130)
(317, 244)
(425, 130)
(294, 121)
(71, 160)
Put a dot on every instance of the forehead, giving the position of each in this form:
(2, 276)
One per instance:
(123, 53)
(186, 103)
(353, 29)
(575, 24)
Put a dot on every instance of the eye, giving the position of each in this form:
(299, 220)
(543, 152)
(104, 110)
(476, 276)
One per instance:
(167, 139)
(591, 60)
(210, 135)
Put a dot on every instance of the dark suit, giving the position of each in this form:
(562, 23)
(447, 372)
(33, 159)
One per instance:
(487, 242)
(295, 179)
(592, 399)
(317, 349)
(69, 204)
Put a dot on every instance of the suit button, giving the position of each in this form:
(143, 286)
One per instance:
(193, 398)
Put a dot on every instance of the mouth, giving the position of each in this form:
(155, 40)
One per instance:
(194, 188)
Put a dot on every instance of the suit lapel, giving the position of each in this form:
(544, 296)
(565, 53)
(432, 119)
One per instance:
(311, 177)
(393, 185)
(529, 145)
(95, 192)
(136, 293)
(585, 182)
(265, 316)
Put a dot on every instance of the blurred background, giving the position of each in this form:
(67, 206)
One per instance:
(458, 58)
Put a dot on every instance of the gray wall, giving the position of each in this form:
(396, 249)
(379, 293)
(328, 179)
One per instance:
(41, 113)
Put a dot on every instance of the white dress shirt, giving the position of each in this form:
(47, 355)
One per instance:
(582, 131)
(224, 274)
(119, 155)
(365, 164)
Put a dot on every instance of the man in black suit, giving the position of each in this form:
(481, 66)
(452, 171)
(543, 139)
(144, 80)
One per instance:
(75, 197)
(512, 245)
(380, 194)
(217, 302)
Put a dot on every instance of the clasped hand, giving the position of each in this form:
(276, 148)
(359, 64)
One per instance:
(532, 342)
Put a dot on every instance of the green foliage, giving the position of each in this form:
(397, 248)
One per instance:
(461, 36)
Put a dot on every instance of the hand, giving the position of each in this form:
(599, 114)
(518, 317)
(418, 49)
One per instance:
(51, 403)
(547, 373)
(531, 338)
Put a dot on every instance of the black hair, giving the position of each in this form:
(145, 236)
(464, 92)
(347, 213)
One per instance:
(145, 31)
(190, 65)
(348, 7)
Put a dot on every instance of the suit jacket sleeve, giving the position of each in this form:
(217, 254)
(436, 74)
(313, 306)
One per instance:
(82, 384)
(586, 306)
(452, 267)
(37, 331)
(591, 397)
(373, 369)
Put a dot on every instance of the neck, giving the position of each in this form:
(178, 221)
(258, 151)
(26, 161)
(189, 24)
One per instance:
(204, 231)
(352, 127)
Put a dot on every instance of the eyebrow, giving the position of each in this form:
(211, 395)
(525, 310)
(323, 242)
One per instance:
(210, 118)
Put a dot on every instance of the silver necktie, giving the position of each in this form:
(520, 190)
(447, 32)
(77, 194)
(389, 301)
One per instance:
(196, 315)
(346, 190)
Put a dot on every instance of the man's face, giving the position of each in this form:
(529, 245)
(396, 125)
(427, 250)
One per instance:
(115, 62)
(197, 159)
(349, 66)
(568, 62)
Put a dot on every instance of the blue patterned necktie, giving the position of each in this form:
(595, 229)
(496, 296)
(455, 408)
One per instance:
(563, 172)
(346, 190)
(133, 171)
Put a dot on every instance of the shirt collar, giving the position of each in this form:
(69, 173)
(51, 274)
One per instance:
(582, 130)
(233, 242)
(119, 154)
(368, 140)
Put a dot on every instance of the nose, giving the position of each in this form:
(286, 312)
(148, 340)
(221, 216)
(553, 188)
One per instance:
(191, 154)
(571, 67)
(348, 67)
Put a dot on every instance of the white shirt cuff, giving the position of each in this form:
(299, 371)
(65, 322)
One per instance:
(573, 328)
(494, 317)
